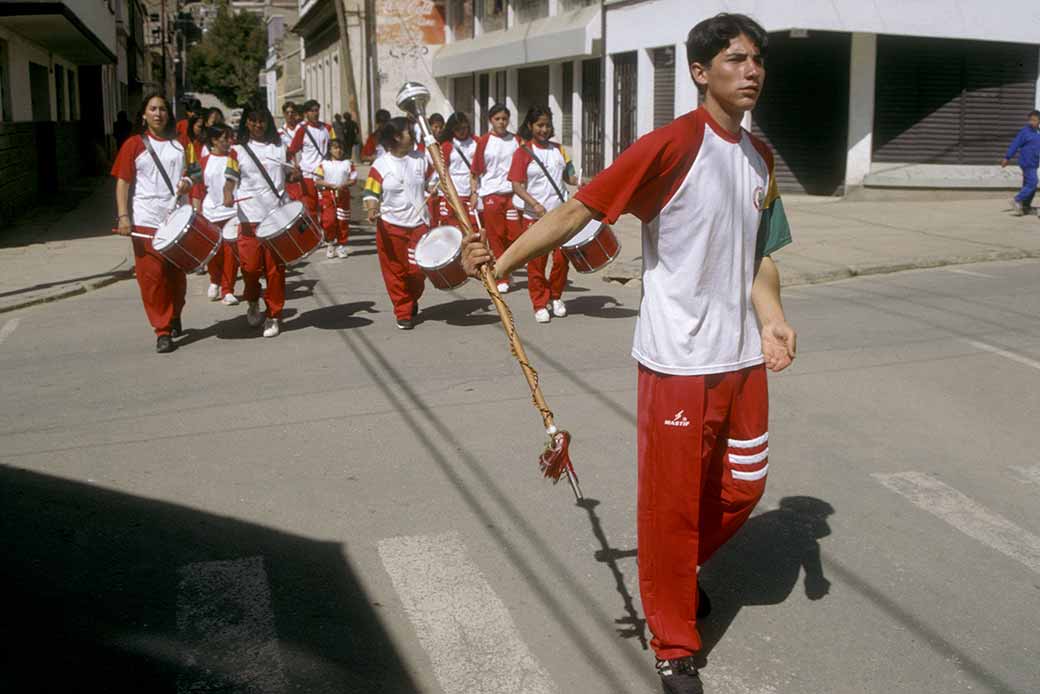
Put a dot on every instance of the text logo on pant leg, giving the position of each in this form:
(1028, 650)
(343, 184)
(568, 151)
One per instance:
(679, 420)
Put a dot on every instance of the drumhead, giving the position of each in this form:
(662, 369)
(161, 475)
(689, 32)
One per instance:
(438, 247)
(173, 228)
(587, 233)
(279, 219)
(230, 230)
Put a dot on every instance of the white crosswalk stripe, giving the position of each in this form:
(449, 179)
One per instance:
(465, 628)
(971, 518)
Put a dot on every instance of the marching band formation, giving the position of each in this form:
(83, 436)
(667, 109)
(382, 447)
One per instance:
(231, 209)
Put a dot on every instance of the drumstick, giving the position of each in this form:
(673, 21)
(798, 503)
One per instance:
(115, 230)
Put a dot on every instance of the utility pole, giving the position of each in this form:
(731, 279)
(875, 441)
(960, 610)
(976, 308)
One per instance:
(346, 66)
(162, 42)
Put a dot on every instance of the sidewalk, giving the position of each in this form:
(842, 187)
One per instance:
(68, 249)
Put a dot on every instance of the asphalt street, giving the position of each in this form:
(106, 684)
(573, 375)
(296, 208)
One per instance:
(353, 508)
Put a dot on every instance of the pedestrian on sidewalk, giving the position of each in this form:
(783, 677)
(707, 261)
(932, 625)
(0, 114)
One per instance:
(1027, 146)
(336, 175)
(350, 134)
(148, 165)
(538, 173)
(208, 200)
(710, 324)
(395, 201)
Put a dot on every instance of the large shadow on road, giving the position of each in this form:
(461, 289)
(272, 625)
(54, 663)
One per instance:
(109, 592)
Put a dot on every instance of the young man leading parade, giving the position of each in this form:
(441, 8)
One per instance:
(710, 323)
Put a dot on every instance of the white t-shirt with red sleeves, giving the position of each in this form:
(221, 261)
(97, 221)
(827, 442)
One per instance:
(527, 171)
(211, 189)
(491, 162)
(152, 199)
(710, 209)
(255, 195)
(304, 141)
(287, 134)
(337, 171)
(400, 185)
(458, 169)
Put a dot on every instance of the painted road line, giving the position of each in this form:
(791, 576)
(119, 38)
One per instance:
(970, 518)
(9, 327)
(226, 624)
(1025, 473)
(970, 273)
(1004, 353)
(465, 628)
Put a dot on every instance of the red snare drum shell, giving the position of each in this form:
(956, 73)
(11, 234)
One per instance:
(594, 253)
(448, 277)
(290, 233)
(195, 246)
(441, 260)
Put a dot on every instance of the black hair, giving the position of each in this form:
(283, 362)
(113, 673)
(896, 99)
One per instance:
(454, 121)
(382, 116)
(713, 35)
(194, 120)
(1034, 113)
(436, 118)
(170, 132)
(497, 109)
(533, 114)
(215, 131)
(211, 111)
(288, 105)
(270, 136)
(328, 152)
(193, 105)
(393, 129)
(310, 104)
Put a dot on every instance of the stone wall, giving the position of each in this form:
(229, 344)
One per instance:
(37, 160)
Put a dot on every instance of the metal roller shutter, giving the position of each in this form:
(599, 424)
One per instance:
(942, 101)
(803, 111)
(625, 101)
(664, 85)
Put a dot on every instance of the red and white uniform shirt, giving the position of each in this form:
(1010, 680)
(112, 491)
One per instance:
(491, 162)
(152, 199)
(400, 184)
(527, 171)
(312, 143)
(337, 172)
(287, 134)
(456, 155)
(211, 189)
(710, 208)
(257, 198)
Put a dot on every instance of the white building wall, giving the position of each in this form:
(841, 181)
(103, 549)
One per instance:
(578, 120)
(644, 92)
(862, 72)
(685, 89)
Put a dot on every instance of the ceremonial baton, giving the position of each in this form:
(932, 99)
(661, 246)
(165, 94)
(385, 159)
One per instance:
(555, 460)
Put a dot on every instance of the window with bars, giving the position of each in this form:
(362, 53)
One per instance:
(567, 105)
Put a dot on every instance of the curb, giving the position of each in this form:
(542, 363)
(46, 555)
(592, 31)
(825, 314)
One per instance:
(114, 275)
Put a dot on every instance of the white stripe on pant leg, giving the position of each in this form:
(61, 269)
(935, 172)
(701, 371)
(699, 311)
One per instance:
(749, 476)
(226, 623)
(748, 443)
(972, 519)
(749, 459)
(462, 624)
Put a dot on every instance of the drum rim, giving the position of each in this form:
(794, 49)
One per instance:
(180, 234)
(283, 229)
(568, 244)
(449, 261)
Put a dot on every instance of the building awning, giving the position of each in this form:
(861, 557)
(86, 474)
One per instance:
(566, 36)
(57, 28)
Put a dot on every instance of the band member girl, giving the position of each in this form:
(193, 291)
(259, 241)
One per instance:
(309, 146)
(490, 183)
(146, 161)
(334, 179)
(208, 199)
(291, 122)
(539, 170)
(372, 148)
(259, 157)
(395, 195)
(458, 148)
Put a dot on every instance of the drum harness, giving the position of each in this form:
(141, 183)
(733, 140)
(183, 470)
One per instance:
(545, 171)
(158, 164)
(263, 171)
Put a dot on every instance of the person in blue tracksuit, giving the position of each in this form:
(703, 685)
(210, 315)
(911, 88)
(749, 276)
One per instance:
(1027, 145)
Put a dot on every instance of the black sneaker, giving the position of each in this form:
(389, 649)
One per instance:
(164, 344)
(703, 604)
(679, 676)
(175, 327)
(405, 323)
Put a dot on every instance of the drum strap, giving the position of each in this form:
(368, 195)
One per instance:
(263, 171)
(546, 172)
(158, 164)
(307, 130)
(464, 159)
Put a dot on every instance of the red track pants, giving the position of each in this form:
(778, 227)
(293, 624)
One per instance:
(309, 198)
(335, 215)
(544, 290)
(403, 278)
(501, 222)
(447, 216)
(257, 258)
(163, 285)
(224, 266)
(703, 455)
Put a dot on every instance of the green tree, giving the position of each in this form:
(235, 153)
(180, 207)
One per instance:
(227, 61)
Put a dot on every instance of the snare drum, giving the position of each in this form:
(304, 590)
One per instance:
(592, 248)
(230, 235)
(290, 232)
(187, 239)
(439, 255)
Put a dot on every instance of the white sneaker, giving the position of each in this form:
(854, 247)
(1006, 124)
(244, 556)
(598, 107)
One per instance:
(272, 327)
(503, 287)
(559, 308)
(330, 250)
(230, 300)
(542, 315)
(342, 252)
(213, 292)
(254, 316)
